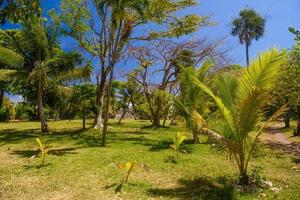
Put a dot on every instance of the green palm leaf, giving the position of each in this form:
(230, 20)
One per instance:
(9, 58)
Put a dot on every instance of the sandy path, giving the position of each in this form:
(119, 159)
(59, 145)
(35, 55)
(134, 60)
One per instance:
(276, 140)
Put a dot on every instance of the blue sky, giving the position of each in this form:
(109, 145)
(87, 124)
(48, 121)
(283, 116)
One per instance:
(280, 15)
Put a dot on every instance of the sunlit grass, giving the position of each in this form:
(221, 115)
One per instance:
(79, 168)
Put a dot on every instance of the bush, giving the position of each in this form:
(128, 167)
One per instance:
(24, 111)
(7, 110)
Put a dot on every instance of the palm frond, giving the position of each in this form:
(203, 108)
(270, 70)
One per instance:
(81, 73)
(227, 88)
(250, 97)
(9, 58)
(261, 72)
(224, 110)
(6, 74)
(203, 70)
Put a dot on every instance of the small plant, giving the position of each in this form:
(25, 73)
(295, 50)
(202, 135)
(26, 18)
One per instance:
(43, 149)
(128, 168)
(256, 176)
(177, 141)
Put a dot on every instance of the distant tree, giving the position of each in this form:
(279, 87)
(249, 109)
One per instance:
(24, 111)
(82, 98)
(193, 102)
(7, 110)
(9, 62)
(15, 10)
(128, 92)
(294, 77)
(248, 26)
(104, 28)
(45, 64)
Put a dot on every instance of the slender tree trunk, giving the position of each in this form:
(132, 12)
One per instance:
(1, 97)
(56, 115)
(44, 125)
(298, 123)
(165, 119)
(286, 118)
(247, 53)
(83, 119)
(122, 116)
(99, 101)
(106, 113)
(244, 178)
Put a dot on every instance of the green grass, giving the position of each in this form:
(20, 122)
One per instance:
(79, 168)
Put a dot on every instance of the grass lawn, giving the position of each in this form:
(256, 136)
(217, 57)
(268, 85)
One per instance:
(79, 168)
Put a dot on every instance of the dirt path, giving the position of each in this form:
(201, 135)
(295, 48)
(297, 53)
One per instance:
(276, 140)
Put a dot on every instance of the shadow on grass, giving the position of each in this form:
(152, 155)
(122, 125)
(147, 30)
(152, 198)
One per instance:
(154, 127)
(84, 138)
(292, 148)
(165, 144)
(135, 133)
(296, 160)
(198, 188)
(14, 135)
(55, 152)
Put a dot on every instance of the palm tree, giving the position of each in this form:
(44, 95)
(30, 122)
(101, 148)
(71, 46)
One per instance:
(45, 64)
(240, 101)
(191, 104)
(122, 14)
(248, 26)
(9, 61)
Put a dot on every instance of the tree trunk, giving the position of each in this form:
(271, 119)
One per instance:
(83, 119)
(44, 125)
(165, 119)
(56, 115)
(196, 138)
(286, 118)
(298, 127)
(247, 53)
(298, 124)
(1, 97)
(156, 116)
(122, 116)
(99, 102)
(244, 178)
(156, 122)
(106, 113)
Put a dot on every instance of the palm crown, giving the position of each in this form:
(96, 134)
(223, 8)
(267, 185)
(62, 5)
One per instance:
(240, 100)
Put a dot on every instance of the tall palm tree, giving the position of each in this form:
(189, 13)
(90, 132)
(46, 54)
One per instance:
(248, 26)
(45, 64)
(122, 14)
(240, 101)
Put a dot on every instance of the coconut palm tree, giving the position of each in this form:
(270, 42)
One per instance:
(45, 64)
(122, 15)
(240, 101)
(248, 26)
